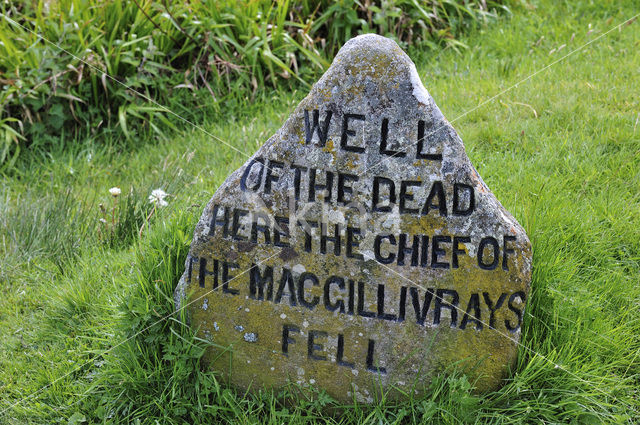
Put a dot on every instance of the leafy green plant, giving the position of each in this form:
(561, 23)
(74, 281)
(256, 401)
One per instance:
(66, 66)
(156, 354)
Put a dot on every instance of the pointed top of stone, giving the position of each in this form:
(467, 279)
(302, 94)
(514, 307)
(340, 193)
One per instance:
(374, 50)
(380, 59)
(358, 248)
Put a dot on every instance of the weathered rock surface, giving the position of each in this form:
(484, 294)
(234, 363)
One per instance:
(359, 249)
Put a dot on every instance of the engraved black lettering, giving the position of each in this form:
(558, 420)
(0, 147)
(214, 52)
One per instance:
(424, 246)
(203, 273)
(286, 281)
(327, 187)
(297, 177)
(370, 356)
(361, 302)
(457, 240)
(238, 214)
(258, 281)
(496, 250)
(263, 228)
(346, 133)
(271, 177)
(340, 355)
(457, 209)
(324, 238)
(406, 195)
(312, 347)
(353, 242)
(440, 303)
(190, 261)
(422, 125)
(226, 278)
(375, 196)
(339, 303)
(216, 268)
(492, 308)
(321, 128)
(344, 188)
(413, 250)
(402, 308)
(314, 282)
(286, 338)
(474, 304)
(506, 251)
(517, 311)
(437, 192)
(307, 233)
(352, 296)
(421, 312)
(381, 314)
(247, 171)
(384, 133)
(281, 230)
(215, 221)
(376, 248)
(436, 251)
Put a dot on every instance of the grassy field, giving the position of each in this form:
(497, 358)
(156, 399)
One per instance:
(560, 150)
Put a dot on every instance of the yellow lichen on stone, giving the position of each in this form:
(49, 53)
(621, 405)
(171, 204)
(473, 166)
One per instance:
(356, 262)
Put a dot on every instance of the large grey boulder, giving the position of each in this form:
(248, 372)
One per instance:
(358, 249)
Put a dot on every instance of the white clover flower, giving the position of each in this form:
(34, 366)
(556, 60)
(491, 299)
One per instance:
(115, 191)
(103, 221)
(157, 197)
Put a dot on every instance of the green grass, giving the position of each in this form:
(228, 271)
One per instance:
(193, 57)
(561, 152)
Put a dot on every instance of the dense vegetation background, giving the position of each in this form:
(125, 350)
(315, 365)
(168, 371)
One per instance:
(86, 277)
(190, 57)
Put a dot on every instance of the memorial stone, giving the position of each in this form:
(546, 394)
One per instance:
(358, 249)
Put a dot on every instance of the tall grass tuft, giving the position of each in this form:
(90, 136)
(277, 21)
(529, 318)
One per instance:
(55, 228)
(146, 374)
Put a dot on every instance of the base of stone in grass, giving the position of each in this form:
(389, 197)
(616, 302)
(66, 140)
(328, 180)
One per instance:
(358, 250)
